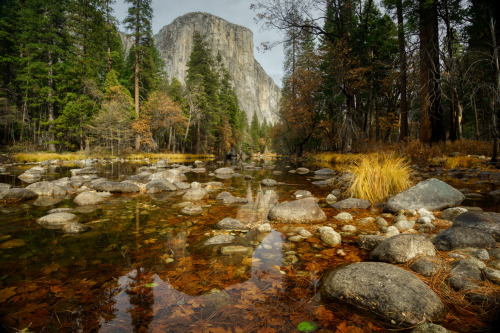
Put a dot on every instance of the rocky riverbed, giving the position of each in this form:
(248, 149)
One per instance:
(220, 239)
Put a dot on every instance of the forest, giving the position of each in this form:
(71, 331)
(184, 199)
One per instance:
(357, 73)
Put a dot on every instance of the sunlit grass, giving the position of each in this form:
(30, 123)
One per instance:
(462, 162)
(335, 158)
(42, 156)
(378, 177)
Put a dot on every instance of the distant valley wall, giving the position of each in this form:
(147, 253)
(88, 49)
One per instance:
(256, 91)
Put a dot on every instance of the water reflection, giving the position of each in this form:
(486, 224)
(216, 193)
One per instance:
(256, 210)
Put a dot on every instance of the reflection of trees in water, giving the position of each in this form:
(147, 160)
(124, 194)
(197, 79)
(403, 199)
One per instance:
(256, 211)
(141, 298)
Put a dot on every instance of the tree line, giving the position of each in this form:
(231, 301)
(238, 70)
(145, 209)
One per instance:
(66, 84)
(359, 71)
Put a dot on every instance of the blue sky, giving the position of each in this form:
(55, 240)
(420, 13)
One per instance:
(234, 11)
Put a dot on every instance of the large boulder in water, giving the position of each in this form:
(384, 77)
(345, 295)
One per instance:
(17, 195)
(485, 221)
(47, 188)
(432, 194)
(403, 248)
(388, 291)
(304, 210)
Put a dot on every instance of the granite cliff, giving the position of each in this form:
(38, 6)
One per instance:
(256, 91)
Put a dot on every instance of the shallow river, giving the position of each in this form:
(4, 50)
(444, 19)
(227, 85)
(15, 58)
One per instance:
(143, 266)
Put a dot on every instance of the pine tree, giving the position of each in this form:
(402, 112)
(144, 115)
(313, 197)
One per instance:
(138, 21)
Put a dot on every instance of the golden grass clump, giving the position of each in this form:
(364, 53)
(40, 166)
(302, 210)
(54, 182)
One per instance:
(378, 177)
(42, 156)
(462, 162)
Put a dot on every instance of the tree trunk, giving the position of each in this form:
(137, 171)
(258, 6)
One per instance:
(476, 120)
(496, 107)
(403, 133)
(136, 81)
(50, 83)
(348, 137)
(431, 113)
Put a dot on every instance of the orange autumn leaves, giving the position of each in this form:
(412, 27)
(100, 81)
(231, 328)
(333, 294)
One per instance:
(159, 115)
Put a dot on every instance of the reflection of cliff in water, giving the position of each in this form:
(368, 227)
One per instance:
(256, 211)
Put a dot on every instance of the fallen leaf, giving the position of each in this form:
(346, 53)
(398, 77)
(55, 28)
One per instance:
(7, 293)
(51, 268)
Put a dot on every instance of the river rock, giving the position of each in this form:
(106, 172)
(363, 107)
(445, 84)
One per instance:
(74, 228)
(115, 187)
(493, 275)
(160, 185)
(84, 171)
(300, 194)
(46, 188)
(463, 274)
(264, 228)
(344, 216)
(228, 199)
(486, 221)
(17, 195)
(391, 231)
(57, 220)
(329, 236)
(4, 186)
(352, 203)
(220, 239)
(424, 267)
(370, 242)
(195, 193)
(224, 171)
(429, 328)
(230, 223)
(304, 210)
(331, 199)
(432, 194)
(235, 249)
(461, 238)
(30, 176)
(192, 210)
(388, 291)
(303, 171)
(143, 178)
(451, 214)
(88, 198)
(173, 175)
(269, 182)
(402, 248)
(325, 172)
(61, 210)
(404, 224)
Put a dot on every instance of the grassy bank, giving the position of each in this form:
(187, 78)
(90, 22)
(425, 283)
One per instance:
(43, 156)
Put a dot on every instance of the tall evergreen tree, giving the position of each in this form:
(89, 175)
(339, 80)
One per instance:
(138, 22)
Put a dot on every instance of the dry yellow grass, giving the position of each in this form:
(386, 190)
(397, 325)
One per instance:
(39, 157)
(335, 158)
(378, 177)
(462, 162)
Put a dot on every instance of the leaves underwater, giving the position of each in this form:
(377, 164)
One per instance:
(143, 267)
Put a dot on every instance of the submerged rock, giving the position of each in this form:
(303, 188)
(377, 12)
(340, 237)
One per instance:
(388, 291)
(220, 239)
(74, 228)
(196, 193)
(192, 210)
(269, 182)
(352, 203)
(304, 210)
(329, 236)
(115, 187)
(57, 220)
(432, 194)
(230, 223)
(228, 198)
(12, 244)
